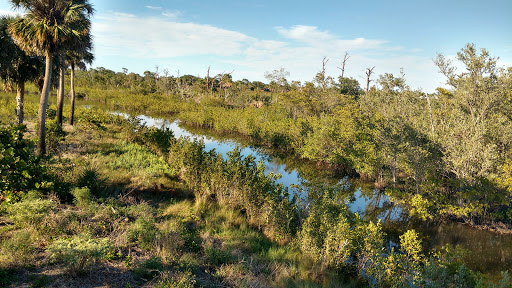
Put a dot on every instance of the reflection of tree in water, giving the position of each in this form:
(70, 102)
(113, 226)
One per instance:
(489, 253)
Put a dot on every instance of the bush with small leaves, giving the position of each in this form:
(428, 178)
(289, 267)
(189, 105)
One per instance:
(30, 211)
(79, 252)
(91, 179)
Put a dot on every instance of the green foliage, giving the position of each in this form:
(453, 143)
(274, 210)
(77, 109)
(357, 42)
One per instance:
(30, 211)
(82, 196)
(20, 169)
(91, 179)
(78, 253)
(237, 181)
(132, 157)
(325, 235)
(6, 277)
(149, 269)
(19, 248)
(54, 135)
(143, 232)
(185, 280)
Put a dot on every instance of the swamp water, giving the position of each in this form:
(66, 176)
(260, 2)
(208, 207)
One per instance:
(490, 253)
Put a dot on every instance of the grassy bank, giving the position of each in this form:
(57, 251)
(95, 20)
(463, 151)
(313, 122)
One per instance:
(118, 215)
(121, 205)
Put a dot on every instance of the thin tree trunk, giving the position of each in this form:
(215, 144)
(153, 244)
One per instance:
(20, 100)
(72, 115)
(60, 93)
(43, 104)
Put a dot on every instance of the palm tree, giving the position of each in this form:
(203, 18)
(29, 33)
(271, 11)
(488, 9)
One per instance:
(77, 59)
(16, 66)
(46, 28)
(71, 54)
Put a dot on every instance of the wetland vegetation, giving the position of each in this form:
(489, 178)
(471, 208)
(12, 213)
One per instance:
(110, 201)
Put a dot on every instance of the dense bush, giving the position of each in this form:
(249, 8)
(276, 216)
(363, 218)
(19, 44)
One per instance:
(78, 253)
(30, 211)
(20, 169)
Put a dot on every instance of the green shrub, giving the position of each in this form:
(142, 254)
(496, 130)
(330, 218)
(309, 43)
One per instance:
(51, 113)
(6, 277)
(137, 159)
(82, 196)
(54, 135)
(79, 252)
(143, 232)
(91, 179)
(217, 257)
(149, 269)
(20, 169)
(19, 248)
(30, 211)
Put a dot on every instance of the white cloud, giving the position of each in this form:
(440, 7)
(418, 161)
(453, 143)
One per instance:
(300, 51)
(171, 14)
(154, 8)
(304, 33)
(154, 37)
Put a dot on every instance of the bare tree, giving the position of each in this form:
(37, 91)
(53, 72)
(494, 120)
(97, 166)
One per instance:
(225, 83)
(157, 75)
(208, 80)
(178, 83)
(166, 75)
(324, 82)
(369, 72)
(343, 64)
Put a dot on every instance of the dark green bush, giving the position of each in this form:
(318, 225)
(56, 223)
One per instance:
(20, 169)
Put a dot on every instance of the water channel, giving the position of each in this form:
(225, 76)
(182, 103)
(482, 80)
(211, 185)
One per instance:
(489, 253)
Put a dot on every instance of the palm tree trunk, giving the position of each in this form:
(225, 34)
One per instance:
(72, 115)
(43, 104)
(20, 99)
(60, 93)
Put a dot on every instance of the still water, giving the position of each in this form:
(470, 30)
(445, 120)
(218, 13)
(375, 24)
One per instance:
(489, 252)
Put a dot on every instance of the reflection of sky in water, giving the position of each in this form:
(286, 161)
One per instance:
(223, 147)
(359, 205)
(490, 253)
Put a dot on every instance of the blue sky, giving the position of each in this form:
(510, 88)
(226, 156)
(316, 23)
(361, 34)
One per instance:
(252, 37)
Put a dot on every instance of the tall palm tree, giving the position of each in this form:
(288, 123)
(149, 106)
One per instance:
(78, 58)
(46, 28)
(16, 66)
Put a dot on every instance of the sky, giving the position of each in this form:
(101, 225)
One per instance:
(253, 37)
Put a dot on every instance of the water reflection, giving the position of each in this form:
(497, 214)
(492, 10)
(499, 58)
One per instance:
(371, 204)
(490, 253)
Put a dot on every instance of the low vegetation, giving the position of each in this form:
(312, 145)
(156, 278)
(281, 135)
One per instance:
(189, 218)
